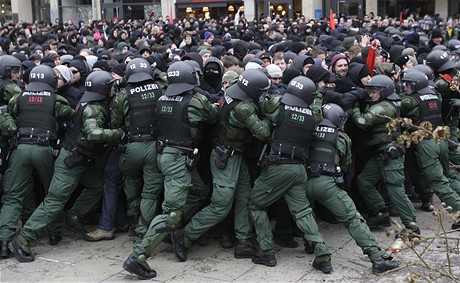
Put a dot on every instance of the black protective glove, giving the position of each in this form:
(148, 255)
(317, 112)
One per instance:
(344, 100)
(360, 94)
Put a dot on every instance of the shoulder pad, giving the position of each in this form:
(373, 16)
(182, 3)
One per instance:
(200, 101)
(383, 108)
(245, 109)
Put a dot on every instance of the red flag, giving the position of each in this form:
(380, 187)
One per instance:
(171, 14)
(331, 19)
(371, 57)
(401, 17)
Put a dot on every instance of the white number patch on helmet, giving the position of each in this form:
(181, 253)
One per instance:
(37, 75)
(173, 73)
(297, 84)
(88, 83)
(244, 81)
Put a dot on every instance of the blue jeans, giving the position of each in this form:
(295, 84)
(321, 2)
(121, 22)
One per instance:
(113, 213)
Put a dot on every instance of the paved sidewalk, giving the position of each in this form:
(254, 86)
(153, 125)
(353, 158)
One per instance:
(75, 260)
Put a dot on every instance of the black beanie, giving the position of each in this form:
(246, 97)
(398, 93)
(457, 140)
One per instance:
(317, 73)
(401, 60)
(436, 33)
(297, 47)
(119, 69)
(289, 74)
(103, 65)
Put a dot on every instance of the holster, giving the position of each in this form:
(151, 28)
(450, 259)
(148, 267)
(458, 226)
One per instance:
(314, 170)
(14, 141)
(223, 154)
(160, 146)
(73, 159)
(192, 159)
(56, 148)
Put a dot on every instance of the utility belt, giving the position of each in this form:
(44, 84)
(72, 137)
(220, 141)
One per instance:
(223, 154)
(392, 152)
(34, 140)
(141, 138)
(277, 159)
(192, 154)
(141, 134)
(317, 170)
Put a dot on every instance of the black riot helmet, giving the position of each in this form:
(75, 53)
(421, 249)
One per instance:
(416, 80)
(424, 69)
(439, 61)
(8, 65)
(335, 114)
(181, 78)
(299, 92)
(42, 78)
(98, 86)
(138, 70)
(454, 46)
(250, 86)
(383, 84)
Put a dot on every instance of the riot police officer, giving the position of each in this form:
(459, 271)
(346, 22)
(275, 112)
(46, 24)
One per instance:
(446, 74)
(387, 161)
(421, 104)
(36, 111)
(294, 119)
(239, 122)
(10, 71)
(328, 160)
(179, 114)
(81, 160)
(134, 109)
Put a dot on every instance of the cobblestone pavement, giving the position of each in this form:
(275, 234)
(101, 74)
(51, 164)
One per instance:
(75, 260)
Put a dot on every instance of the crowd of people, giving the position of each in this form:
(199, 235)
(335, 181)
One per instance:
(171, 130)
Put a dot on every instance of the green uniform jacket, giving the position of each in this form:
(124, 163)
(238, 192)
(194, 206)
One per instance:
(374, 120)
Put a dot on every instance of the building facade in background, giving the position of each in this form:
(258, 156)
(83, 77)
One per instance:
(82, 10)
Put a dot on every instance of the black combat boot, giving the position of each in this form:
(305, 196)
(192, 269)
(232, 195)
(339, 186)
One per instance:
(267, 260)
(325, 266)
(54, 238)
(226, 241)
(5, 249)
(244, 249)
(133, 266)
(177, 239)
(380, 265)
(379, 220)
(20, 253)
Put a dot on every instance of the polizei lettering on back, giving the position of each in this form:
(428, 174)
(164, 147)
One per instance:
(171, 98)
(428, 97)
(144, 88)
(324, 129)
(298, 109)
(37, 93)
